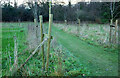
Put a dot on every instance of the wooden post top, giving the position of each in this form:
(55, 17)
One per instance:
(119, 22)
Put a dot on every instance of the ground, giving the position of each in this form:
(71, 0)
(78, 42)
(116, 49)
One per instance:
(77, 56)
(95, 58)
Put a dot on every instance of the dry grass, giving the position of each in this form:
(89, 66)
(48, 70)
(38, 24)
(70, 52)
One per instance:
(98, 33)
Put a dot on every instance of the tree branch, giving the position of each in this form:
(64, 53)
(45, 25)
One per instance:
(116, 8)
(116, 15)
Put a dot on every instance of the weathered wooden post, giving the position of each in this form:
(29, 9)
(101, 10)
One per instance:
(49, 34)
(118, 43)
(42, 47)
(9, 55)
(110, 36)
(119, 34)
(116, 24)
(78, 26)
(79, 21)
(66, 22)
(35, 22)
(50, 7)
(15, 53)
(49, 40)
(59, 66)
(36, 28)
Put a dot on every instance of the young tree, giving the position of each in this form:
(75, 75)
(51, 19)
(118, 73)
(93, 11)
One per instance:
(112, 9)
(33, 4)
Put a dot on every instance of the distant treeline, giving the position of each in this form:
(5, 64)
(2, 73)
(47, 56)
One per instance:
(100, 12)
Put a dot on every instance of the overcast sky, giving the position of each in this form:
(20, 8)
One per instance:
(66, 1)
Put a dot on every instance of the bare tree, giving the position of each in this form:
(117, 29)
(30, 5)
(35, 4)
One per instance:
(113, 10)
(33, 5)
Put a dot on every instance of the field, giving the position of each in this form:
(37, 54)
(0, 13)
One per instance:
(97, 34)
(87, 53)
(63, 38)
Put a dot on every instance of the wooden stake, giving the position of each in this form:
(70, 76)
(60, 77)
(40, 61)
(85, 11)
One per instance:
(118, 44)
(110, 38)
(35, 21)
(78, 26)
(50, 6)
(59, 66)
(15, 53)
(66, 22)
(49, 39)
(119, 36)
(36, 28)
(116, 24)
(42, 47)
(79, 21)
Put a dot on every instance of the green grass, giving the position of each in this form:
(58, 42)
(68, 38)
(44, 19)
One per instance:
(0, 49)
(77, 56)
(99, 61)
(34, 65)
(8, 33)
(9, 30)
(97, 34)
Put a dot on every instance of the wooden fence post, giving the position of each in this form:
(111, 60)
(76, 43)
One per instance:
(42, 47)
(59, 66)
(116, 24)
(79, 21)
(15, 53)
(35, 21)
(118, 44)
(50, 6)
(119, 34)
(66, 22)
(78, 26)
(110, 38)
(36, 28)
(49, 40)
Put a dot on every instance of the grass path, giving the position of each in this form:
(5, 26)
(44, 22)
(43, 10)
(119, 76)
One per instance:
(95, 58)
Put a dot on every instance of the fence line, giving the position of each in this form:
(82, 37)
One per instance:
(34, 52)
(31, 55)
(42, 41)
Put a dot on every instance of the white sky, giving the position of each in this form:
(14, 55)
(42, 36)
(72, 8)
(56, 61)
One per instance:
(66, 1)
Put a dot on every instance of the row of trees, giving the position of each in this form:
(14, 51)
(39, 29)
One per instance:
(100, 12)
